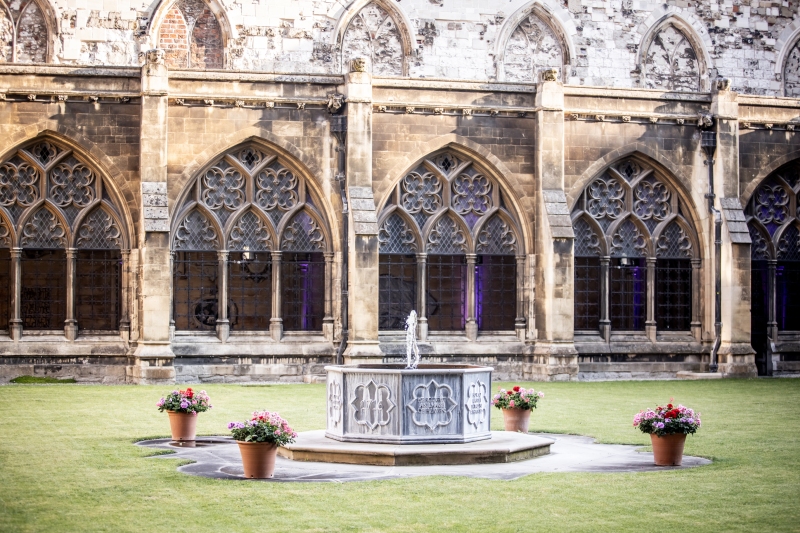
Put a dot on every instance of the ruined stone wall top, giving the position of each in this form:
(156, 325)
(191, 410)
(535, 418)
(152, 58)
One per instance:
(669, 44)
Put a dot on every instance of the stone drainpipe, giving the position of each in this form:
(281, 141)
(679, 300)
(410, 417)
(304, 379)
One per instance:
(339, 130)
(708, 142)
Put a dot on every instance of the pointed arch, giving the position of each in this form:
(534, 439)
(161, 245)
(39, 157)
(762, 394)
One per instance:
(196, 230)
(193, 33)
(8, 233)
(671, 244)
(251, 231)
(673, 56)
(44, 226)
(398, 232)
(535, 37)
(447, 234)
(99, 228)
(589, 239)
(497, 234)
(787, 62)
(28, 31)
(304, 231)
(379, 31)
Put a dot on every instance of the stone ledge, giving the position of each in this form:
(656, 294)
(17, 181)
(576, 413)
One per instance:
(699, 375)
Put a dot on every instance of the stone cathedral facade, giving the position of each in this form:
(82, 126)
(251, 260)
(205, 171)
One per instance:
(186, 184)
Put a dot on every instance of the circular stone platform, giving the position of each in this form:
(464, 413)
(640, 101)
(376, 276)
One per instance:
(503, 447)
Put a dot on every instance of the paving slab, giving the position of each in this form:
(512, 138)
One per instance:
(218, 457)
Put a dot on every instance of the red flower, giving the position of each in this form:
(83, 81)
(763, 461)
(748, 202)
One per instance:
(189, 393)
(509, 393)
(669, 406)
(516, 388)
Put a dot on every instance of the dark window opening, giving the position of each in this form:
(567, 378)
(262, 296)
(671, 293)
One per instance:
(44, 289)
(587, 293)
(195, 291)
(496, 292)
(249, 291)
(787, 295)
(303, 295)
(446, 291)
(673, 294)
(628, 294)
(6, 287)
(397, 290)
(98, 284)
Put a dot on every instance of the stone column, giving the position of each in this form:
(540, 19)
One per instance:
(276, 322)
(736, 356)
(327, 321)
(363, 268)
(696, 324)
(422, 284)
(650, 322)
(471, 326)
(605, 322)
(125, 320)
(554, 351)
(772, 322)
(15, 323)
(152, 360)
(70, 324)
(223, 324)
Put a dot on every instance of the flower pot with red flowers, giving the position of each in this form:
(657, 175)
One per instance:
(182, 407)
(258, 441)
(668, 427)
(516, 405)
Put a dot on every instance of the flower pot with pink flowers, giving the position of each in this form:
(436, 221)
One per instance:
(668, 426)
(258, 441)
(516, 405)
(182, 407)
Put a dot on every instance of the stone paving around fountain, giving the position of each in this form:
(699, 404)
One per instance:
(218, 457)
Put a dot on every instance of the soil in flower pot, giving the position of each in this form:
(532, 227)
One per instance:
(258, 459)
(183, 425)
(668, 449)
(516, 419)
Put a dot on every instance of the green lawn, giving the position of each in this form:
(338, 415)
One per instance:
(67, 463)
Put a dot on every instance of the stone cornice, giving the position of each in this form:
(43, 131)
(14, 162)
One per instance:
(640, 94)
(234, 75)
(453, 85)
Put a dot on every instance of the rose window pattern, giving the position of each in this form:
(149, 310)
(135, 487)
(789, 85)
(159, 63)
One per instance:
(50, 198)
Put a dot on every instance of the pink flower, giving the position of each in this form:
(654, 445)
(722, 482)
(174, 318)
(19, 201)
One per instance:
(511, 403)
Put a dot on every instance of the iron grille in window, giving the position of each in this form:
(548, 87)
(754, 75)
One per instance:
(303, 235)
(6, 287)
(195, 232)
(43, 230)
(496, 292)
(303, 295)
(195, 291)
(587, 242)
(250, 233)
(674, 243)
(398, 289)
(787, 294)
(674, 294)
(788, 248)
(250, 291)
(759, 285)
(496, 238)
(628, 295)
(447, 237)
(99, 231)
(98, 279)
(587, 293)
(44, 289)
(396, 237)
(446, 292)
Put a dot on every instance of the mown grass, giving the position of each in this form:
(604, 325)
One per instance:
(38, 380)
(67, 463)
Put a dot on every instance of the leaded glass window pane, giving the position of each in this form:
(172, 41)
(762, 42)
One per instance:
(587, 293)
(195, 291)
(303, 296)
(44, 289)
(249, 291)
(628, 295)
(398, 289)
(98, 281)
(496, 292)
(673, 294)
(446, 302)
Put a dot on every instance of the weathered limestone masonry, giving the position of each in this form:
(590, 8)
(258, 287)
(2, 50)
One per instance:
(527, 174)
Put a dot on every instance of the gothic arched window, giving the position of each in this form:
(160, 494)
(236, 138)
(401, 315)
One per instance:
(61, 226)
(671, 62)
(191, 36)
(636, 257)
(248, 233)
(449, 249)
(373, 34)
(24, 32)
(532, 47)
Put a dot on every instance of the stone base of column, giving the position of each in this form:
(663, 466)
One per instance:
(125, 330)
(71, 330)
(422, 329)
(151, 364)
(471, 330)
(15, 329)
(363, 352)
(276, 329)
(223, 330)
(650, 331)
(605, 330)
(737, 360)
(327, 328)
(557, 361)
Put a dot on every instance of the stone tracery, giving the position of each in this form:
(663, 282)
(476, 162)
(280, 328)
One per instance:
(532, 47)
(23, 31)
(671, 62)
(373, 34)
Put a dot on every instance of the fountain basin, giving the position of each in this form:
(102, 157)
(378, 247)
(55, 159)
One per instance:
(389, 404)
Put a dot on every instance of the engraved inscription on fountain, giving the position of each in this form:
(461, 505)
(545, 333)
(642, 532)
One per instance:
(477, 403)
(372, 404)
(335, 403)
(432, 405)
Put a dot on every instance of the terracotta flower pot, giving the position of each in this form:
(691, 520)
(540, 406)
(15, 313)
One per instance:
(668, 450)
(516, 419)
(183, 425)
(258, 458)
